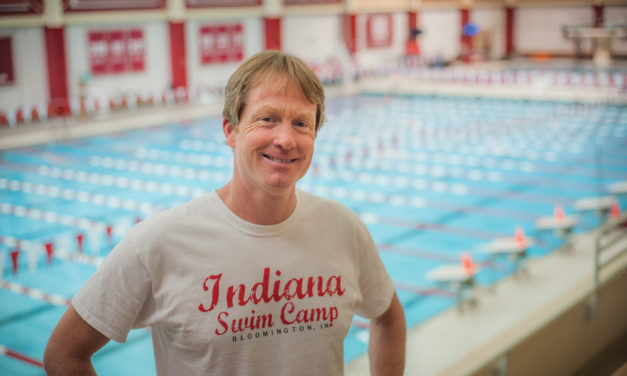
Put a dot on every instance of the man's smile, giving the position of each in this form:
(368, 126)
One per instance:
(279, 160)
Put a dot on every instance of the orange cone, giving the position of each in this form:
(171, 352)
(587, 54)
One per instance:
(468, 264)
(519, 235)
(559, 212)
(615, 210)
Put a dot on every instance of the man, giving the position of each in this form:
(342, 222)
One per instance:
(256, 277)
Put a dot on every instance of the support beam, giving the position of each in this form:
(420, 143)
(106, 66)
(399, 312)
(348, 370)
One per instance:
(510, 48)
(57, 70)
(350, 32)
(272, 31)
(177, 54)
(412, 46)
(598, 15)
(465, 40)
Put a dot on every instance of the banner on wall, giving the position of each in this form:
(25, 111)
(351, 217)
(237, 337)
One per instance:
(108, 5)
(116, 51)
(8, 7)
(6, 61)
(310, 2)
(221, 43)
(221, 3)
(379, 30)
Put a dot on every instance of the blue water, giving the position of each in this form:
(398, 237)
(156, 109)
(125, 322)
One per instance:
(432, 177)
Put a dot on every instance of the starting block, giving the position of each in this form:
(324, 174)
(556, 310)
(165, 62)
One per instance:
(513, 247)
(460, 278)
(600, 205)
(562, 225)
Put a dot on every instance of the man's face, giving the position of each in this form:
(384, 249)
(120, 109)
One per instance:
(274, 141)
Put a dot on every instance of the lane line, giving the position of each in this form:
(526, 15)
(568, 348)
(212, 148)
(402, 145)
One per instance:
(36, 294)
(21, 357)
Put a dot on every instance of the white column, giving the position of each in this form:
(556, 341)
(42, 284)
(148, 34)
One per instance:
(272, 8)
(53, 13)
(176, 10)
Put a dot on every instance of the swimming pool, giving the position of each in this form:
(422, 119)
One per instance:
(431, 176)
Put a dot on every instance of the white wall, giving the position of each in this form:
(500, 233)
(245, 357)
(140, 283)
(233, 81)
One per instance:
(441, 32)
(215, 75)
(30, 84)
(617, 15)
(492, 20)
(540, 28)
(156, 74)
(313, 38)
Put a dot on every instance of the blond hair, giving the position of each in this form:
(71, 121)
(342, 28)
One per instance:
(264, 64)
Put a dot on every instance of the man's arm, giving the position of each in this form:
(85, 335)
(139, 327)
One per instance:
(71, 346)
(387, 341)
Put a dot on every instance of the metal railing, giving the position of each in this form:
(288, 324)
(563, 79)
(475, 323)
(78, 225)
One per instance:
(602, 243)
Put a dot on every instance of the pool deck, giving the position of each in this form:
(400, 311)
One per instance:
(461, 342)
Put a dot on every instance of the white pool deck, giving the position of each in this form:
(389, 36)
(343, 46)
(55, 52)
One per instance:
(459, 343)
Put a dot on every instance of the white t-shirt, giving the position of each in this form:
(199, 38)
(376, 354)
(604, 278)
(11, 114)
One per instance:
(227, 297)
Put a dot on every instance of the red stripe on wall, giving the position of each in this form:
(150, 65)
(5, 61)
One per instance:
(272, 27)
(412, 47)
(177, 55)
(466, 41)
(412, 20)
(57, 69)
(350, 32)
(598, 15)
(509, 31)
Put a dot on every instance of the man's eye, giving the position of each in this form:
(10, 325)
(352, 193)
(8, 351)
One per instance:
(302, 124)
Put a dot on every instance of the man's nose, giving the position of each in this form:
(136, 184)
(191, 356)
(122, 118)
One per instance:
(284, 136)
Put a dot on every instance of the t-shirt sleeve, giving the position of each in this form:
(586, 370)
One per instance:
(377, 288)
(112, 298)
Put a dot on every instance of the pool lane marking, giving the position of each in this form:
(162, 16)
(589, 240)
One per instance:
(78, 196)
(108, 180)
(81, 258)
(51, 217)
(429, 255)
(34, 293)
(432, 291)
(434, 185)
(19, 356)
(428, 226)
(348, 176)
(90, 224)
(136, 184)
(161, 169)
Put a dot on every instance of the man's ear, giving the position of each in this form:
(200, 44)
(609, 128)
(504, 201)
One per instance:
(229, 132)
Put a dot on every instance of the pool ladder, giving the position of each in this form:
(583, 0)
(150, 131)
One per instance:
(605, 239)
